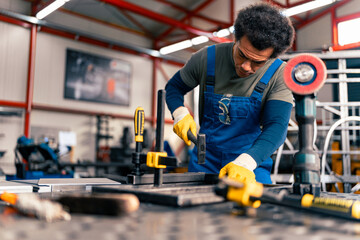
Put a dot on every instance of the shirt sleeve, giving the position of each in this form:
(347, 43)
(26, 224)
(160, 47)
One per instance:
(193, 70)
(279, 91)
(275, 120)
(175, 91)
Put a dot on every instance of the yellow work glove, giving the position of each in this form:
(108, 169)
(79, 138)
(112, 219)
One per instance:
(183, 121)
(241, 169)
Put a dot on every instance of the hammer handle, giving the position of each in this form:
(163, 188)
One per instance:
(191, 137)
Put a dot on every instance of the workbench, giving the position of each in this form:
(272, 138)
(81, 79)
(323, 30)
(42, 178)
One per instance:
(212, 221)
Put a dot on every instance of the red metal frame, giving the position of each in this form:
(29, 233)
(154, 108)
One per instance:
(30, 80)
(335, 22)
(195, 11)
(161, 18)
(122, 28)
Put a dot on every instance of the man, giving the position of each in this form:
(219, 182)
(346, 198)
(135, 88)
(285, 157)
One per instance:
(241, 89)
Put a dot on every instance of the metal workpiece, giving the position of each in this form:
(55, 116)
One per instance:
(175, 196)
(171, 178)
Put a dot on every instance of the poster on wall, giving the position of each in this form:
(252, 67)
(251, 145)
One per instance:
(95, 78)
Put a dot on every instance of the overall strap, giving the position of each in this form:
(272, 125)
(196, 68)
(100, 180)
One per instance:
(210, 69)
(261, 85)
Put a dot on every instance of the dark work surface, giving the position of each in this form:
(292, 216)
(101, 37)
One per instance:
(215, 221)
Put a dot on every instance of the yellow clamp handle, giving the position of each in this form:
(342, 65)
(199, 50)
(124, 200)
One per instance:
(242, 195)
(139, 124)
(152, 159)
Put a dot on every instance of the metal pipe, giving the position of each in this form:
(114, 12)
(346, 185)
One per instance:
(30, 80)
(159, 145)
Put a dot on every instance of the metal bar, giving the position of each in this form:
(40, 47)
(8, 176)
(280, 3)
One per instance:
(336, 80)
(154, 88)
(337, 104)
(348, 70)
(159, 145)
(329, 55)
(335, 37)
(12, 104)
(281, 177)
(175, 196)
(345, 143)
(162, 18)
(173, 178)
(30, 80)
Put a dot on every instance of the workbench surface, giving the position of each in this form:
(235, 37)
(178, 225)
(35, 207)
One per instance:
(220, 221)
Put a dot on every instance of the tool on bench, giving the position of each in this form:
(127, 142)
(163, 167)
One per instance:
(31, 204)
(200, 143)
(157, 159)
(58, 208)
(139, 120)
(304, 75)
(100, 204)
(252, 194)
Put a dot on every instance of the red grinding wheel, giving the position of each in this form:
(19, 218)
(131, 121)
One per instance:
(308, 61)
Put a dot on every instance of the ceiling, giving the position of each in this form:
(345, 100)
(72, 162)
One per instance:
(167, 21)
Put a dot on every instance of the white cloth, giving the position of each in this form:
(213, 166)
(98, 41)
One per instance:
(246, 161)
(179, 114)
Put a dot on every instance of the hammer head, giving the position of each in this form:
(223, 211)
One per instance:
(201, 147)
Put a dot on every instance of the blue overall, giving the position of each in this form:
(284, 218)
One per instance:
(231, 124)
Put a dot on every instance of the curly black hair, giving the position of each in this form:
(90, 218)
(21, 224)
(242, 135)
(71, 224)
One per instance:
(265, 27)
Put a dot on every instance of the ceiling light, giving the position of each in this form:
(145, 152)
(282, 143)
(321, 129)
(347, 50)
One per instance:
(176, 47)
(199, 40)
(50, 8)
(222, 33)
(306, 7)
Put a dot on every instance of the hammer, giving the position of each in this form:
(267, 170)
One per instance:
(200, 143)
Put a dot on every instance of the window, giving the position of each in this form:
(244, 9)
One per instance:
(348, 31)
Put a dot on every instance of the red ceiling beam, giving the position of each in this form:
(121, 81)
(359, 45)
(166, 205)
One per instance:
(195, 11)
(275, 3)
(190, 13)
(15, 21)
(134, 21)
(12, 104)
(161, 18)
(118, 27)
(348, 17)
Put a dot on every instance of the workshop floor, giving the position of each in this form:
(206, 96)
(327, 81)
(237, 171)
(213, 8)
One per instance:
(217, 221)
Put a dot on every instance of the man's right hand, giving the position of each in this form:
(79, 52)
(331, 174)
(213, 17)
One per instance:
(183, 121)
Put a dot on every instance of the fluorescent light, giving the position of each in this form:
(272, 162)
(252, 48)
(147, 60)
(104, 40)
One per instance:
(176, 47)
(222, 33)
(306, 7)
(199, 40)
(232, 29)
(50, 8)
